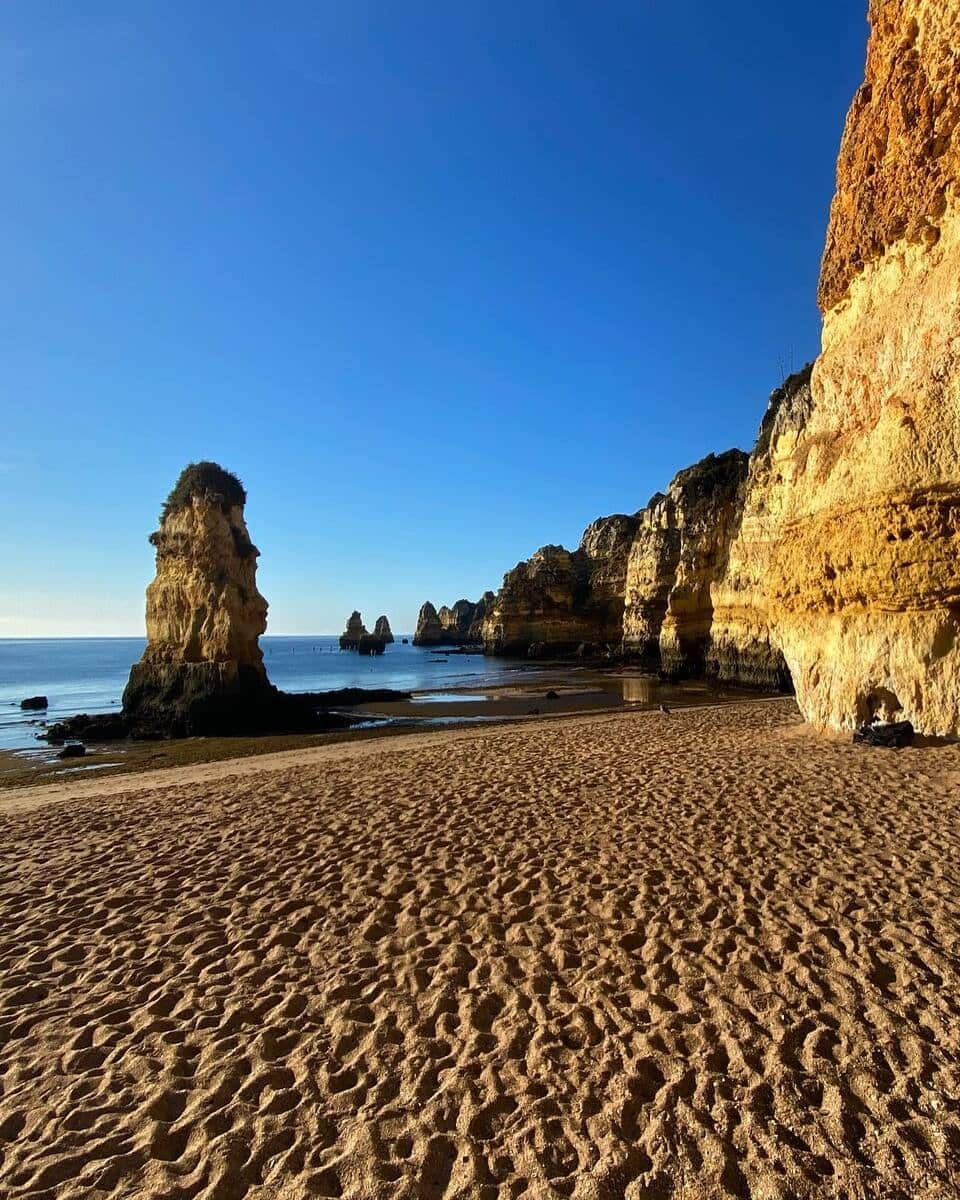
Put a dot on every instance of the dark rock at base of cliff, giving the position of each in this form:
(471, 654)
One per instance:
(345, 697)
(72, 751)
(369, 644)
(763, 668)
(105, 727)
(34, 703)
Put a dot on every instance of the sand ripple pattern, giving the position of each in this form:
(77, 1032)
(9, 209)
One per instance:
(645, 956)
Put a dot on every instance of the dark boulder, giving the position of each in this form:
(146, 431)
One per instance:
(34, 703)
(890, 735)
(74, 750)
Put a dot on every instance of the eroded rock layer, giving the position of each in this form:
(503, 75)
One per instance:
(705, 504)
(864, 586)
(203, 662)
(743, 646)
(558, 601)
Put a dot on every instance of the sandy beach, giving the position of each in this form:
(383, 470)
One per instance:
(695, 955)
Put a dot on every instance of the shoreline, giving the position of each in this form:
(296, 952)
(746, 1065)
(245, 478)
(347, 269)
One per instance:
(579, 689)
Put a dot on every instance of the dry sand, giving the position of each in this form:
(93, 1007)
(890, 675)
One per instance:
(699, 955)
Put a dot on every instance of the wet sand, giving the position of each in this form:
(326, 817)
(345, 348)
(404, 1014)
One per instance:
(695, 955)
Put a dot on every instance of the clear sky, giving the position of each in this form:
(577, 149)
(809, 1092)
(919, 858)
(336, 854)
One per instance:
(442, 282)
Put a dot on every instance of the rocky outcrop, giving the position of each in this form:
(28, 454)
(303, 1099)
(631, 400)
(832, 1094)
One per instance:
(651, 571)
(382, 631)
(864, 584)
(481, 608)
(557, 600)
(449, 626)
(429, 631)
(678, 553)
(743, 646)
(355, 630)
(202, 669)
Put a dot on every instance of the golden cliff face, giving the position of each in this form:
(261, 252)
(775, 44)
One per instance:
(864, 585)
(203, 604)
(743, 646)
(559, 600)
(202, 670)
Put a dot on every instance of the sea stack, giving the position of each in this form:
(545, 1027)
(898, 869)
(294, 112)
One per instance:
(864, 585)
(202, 670)
(382, 631)
(350, 638)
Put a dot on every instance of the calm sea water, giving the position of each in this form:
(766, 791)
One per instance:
(89, 674)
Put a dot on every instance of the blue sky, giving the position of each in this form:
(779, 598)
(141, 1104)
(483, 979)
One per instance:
(442, 282)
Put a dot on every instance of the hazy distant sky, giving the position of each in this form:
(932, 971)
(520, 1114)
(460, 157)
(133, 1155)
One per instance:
(442, 282)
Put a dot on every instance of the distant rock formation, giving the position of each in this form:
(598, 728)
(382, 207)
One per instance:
(557, 600)
(450, 626)
(429, 631)
(350, 638)
(743, 646)
(202, 670)
(475, 632)
(706, 510)
(382, 630)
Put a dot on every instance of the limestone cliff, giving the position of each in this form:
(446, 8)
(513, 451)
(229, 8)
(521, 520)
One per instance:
(204, 614)
(475, 632)
(679, 551)
(558, 600)
(455, 625)
(743, 645)
(651, 571)
(864, 584)
(382, 630)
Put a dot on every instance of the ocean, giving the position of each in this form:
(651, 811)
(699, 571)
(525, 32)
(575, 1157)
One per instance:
(89, 674)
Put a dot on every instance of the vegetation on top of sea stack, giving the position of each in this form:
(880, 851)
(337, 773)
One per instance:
(208, 480)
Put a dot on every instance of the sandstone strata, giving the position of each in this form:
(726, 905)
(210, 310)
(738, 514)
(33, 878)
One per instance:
(678, 553)
(864, 585)
(743, 646)
(559, 600)
(202, 667)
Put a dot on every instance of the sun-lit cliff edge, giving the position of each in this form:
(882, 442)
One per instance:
(864, 587)
(830, 559)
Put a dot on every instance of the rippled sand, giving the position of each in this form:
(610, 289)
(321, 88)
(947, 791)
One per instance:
(704, 954)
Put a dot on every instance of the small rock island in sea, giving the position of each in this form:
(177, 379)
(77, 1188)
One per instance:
(357, 637)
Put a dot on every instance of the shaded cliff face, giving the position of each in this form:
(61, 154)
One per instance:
(382, 630)
(864, 586)
(204, 614)
(429, 631)
(651, 570)
(557, 601)
(540, 604)
(678, 553)
(482, 607)
(448, 626)
(743, 646)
